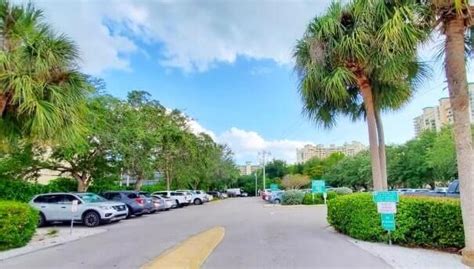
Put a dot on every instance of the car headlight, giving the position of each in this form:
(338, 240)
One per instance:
(105, 207)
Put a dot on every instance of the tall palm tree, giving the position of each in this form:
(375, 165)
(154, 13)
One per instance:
(454, 18)
(353, 63)
(42, 94)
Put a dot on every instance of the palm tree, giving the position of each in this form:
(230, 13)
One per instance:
(353, 63)
(42, 94)
(453, 18)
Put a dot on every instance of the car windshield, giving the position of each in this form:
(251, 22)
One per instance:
(91, 198)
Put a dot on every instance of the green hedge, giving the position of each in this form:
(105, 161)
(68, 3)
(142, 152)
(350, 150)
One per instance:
(420, 221)
(292, 197)
(20, 190)
(18, 223)
(318, 198)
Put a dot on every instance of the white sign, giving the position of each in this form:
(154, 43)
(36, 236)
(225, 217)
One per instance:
(387, 207)
(74, 206)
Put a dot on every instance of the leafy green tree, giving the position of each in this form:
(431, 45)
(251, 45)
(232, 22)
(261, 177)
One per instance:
(296, 181)
(316, 168)
(137, 124)
(354, 172)
(93, 157)
(409, 163)
(276, 168)
(441, 158)
(42, 94)
(350, 61)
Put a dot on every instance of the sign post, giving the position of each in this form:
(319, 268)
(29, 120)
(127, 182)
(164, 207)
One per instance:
(387, 207)
(319, 186)
(73, 210)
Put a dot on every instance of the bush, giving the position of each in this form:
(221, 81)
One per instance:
(318, 198)
(342, 190)
(292, 197)
(20, 190)
(18, 223)
(420, 221)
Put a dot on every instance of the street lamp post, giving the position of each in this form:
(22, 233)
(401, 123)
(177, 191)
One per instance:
(264, 155)
(256, 192)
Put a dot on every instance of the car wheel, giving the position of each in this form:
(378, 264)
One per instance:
(41, 220)
(197, 201)
(277, 201)
(91, 219)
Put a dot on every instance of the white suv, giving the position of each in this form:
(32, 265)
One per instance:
(197, 197)
(181, 198)
(91, 209)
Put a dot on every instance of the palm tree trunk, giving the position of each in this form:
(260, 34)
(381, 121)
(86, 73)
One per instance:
(366, 91)
(383, 156)
(455, 67)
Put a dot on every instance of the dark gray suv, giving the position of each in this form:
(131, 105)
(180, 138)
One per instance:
(132, 199)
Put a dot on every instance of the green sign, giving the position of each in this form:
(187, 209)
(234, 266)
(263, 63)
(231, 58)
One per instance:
(274, 187)
(318, 186)
(386, 196)
(388, 221)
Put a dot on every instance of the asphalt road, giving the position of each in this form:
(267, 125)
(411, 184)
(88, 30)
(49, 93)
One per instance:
(256, 236)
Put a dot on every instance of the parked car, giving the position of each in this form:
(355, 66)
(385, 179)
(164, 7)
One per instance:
(453, 191)
(266, 194)
(150, 205)
(132, 199)
(234, 192)
(197, 197)
(187, 195)
(168, 203)
(181, 198)
(276, 197)
(92, 209)
(217, 194)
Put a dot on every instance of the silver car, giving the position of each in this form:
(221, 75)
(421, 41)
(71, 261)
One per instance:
(90, 209)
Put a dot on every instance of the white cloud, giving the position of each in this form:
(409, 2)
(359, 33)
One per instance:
(85, 22)
(195, 35)
(197, 128)
(247, 144)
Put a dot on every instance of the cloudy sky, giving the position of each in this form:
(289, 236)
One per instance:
(226, 63)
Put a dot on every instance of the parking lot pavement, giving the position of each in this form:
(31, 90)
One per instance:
(256, 237)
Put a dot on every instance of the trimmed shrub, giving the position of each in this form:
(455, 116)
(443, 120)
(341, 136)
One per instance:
(293, 197)
(420, 221)
(20, 190)
(342, 190)
(18, 223)
(318, 198)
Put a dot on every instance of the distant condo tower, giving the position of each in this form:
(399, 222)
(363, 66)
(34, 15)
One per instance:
(320, 151)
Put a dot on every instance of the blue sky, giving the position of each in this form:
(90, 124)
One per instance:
(227, 64)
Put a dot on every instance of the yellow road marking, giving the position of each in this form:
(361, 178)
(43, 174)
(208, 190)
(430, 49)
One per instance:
(190, 253)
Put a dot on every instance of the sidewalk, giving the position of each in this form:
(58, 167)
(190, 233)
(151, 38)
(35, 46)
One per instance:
(48, 237)
(411, 258)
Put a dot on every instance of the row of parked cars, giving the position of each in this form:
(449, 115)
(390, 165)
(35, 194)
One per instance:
(92, 209)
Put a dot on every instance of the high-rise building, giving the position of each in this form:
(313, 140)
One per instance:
(320, 151)
(247, 169)
(429, 120)
(434, 118)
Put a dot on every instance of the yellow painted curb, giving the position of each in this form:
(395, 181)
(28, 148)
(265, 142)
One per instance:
(189, 254)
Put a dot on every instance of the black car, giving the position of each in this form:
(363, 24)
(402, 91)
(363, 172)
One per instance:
(134, 201)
